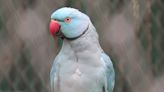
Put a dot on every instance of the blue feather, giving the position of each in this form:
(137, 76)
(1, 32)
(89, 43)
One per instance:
(110, 73)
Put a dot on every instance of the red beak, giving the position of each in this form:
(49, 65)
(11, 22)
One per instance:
(54, 27)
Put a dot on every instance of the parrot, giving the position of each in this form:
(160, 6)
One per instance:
(81, 65)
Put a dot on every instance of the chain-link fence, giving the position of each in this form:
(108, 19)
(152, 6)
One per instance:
(130, 31)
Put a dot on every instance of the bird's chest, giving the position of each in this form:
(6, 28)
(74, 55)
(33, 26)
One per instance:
(79, 78)
(79, 64)
(80, 69)
(79, 75)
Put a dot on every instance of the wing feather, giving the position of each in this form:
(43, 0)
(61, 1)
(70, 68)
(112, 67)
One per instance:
(54, 75)
(110, 73)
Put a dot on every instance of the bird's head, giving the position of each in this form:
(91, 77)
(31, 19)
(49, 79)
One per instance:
(68, 22)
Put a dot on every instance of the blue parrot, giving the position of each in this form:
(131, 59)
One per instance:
(81, 65)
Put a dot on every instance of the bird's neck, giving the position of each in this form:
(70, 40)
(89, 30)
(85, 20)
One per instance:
(88, 41)
(85, 48)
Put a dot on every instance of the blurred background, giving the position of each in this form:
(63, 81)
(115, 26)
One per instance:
(130, 31)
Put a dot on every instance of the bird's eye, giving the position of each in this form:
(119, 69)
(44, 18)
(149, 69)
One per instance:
(67, 20)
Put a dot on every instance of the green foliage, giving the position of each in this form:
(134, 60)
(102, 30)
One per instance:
(29, 74)
(155, 55)
(154, 31)
(162, 20)
(22, 77)
(3, 30)
(143, 39)
(20, 84)
(162, 1)
(81, 5)
(156, 34)
(4, 85)
(69, 3)
(154, 9)
(1, 22)
(154, 28)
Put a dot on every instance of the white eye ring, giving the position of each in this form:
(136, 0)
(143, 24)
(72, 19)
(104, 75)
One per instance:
(67, 20)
